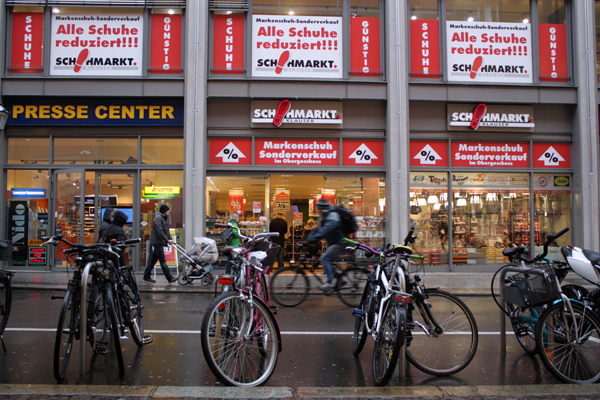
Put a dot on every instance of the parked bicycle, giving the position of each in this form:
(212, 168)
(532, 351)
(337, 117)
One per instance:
(437, 328)
(240, 336)
(291, 285)
(559, 325)
(5, 298)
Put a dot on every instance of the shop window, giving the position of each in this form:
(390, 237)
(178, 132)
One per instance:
(553, 41)
(490, 213)
(552, 204)
(424, 39)
(27, 189)
(162, 151)
(158, 188)
(28, 151)
(488, 11)
(429, 208)
(293, 7)
(95, 151)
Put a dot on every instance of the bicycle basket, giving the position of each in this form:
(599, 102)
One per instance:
(532, 288)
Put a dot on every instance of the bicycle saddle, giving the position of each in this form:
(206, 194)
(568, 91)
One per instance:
(592, 256)
(402, 249)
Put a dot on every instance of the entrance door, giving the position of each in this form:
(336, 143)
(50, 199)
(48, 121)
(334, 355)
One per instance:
(113, 190)
(68, 209)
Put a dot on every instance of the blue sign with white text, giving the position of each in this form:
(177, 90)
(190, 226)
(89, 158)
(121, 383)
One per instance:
(27, 193)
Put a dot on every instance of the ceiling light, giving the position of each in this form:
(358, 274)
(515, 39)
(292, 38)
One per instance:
(171, 12)
(461, 202)
(432, 199)
(421, 201)
(55, 10)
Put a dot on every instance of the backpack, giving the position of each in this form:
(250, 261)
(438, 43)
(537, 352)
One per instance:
(349, 224)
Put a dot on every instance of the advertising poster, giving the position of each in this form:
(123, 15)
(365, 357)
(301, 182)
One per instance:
(27, 42)
(282, 201)
(367, 153)
(256, 207)
(228, 44)
(230, 152)
(96, 44)
(329, 195)
(428, 154)
(425, 49)
(551, 155)
(296, 152)
(553, 53)
(365, 58)
(18, 221)
(236, 200)
(497, 52)
(357, 205)
(504, 155)
(297, 47)
(298, 218)
(165, 53)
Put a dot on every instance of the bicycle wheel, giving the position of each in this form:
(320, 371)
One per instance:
(523, 324)
(239, 340)
(5, 301)
(289, 286)
(451, 339)
(135, 320)
(111, 308)
(359, 337)
(569, 343)
(351, 284)
(389, 341)
(96, 315)
(66, 330)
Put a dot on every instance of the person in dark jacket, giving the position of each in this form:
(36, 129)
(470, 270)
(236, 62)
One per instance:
(280, 225)
(330, 229)
(105, 223)
(115, 230)
(159, 238)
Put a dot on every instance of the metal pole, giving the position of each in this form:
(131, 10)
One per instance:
(83, 332)
(502, 315)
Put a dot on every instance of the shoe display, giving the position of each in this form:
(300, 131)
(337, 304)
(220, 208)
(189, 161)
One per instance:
(149, 280)
(172, 279)
(326, 286)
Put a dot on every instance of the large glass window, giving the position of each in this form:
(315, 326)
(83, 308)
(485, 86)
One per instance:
(162, 151)
(292, 7)
(488, 11)
(597, 15)
(28, 150)
(95, 151)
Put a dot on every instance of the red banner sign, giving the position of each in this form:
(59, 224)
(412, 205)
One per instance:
(551, 155)
(296, 152)
(366, 153)
(236, 200)
(357, 205)
(27, 42)
(329, 195)
(228, 44)
(485, 155)
(365, 57)
(553, 53)
(165, 54)
(424, 49)
(428, 154)
(230, 151)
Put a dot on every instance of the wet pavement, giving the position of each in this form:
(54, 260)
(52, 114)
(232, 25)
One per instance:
(316, 361)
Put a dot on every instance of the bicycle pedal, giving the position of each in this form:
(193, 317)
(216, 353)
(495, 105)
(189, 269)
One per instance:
(358, 313)
(100, 350)
(147, 339)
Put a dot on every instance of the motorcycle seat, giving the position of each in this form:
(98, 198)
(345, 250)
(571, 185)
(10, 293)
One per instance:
(593, 256)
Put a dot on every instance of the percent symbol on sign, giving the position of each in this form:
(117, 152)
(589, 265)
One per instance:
(363, 155)
(427, 155)
(551, 157)
(230, 154)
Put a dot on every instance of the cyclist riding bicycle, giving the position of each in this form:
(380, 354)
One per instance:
(329, 228)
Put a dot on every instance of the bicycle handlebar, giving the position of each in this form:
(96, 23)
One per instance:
(549, 239)
(252, 239)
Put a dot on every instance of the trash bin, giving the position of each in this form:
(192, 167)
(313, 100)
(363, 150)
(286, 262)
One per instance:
(6, 252)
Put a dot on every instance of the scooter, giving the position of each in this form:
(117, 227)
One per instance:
(586, 264)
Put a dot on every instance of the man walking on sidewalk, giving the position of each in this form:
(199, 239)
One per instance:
(159, 238)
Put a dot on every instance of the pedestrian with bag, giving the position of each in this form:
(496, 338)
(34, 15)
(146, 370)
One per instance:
(235, 239)
(159, 238)
(280, 225)
(329, 228)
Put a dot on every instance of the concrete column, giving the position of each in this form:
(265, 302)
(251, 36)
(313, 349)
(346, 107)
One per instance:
(397, 148)
(195, 141)
(586, 221)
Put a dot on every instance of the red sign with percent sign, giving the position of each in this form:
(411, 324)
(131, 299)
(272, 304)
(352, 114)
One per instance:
(236, 200)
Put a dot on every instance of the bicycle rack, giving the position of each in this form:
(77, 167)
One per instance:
(502, 315)
(83, 339)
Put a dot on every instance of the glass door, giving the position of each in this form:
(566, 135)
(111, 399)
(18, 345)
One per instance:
(68, 209)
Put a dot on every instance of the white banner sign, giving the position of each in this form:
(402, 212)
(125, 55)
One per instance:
(96, 44)
(297, 47)
(489, 52)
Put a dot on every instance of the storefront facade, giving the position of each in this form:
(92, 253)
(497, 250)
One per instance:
(474, 120)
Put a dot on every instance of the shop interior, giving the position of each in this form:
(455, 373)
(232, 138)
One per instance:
(294, 196)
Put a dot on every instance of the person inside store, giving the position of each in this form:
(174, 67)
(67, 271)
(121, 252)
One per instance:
(280, 225)
(313, 248)
(234, 220)
(329, 228)
(115, 230)
(106, 220)
(159, 238)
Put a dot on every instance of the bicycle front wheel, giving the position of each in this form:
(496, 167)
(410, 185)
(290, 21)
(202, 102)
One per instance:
(239, 340)
(97, 320)
(389, 341)
(135, 318)
(442, 333)
(569, 342)
(351, 285)
(289, 286)
(5, 301)
(360, 327)
(111, 308)
(523, 324)
(65, 333)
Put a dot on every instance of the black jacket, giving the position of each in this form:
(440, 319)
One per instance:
(159, 234)
(278, 224)
(115, 230)
(105, 222)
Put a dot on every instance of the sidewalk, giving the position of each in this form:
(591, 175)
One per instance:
(460, 283)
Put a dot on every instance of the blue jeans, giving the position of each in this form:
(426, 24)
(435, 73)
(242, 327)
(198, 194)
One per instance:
(331, 254)
(158, 254)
